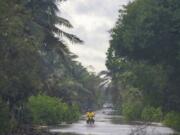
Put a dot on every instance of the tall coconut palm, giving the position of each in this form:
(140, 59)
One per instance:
(44, 13)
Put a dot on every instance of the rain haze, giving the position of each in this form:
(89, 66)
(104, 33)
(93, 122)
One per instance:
(92, 19)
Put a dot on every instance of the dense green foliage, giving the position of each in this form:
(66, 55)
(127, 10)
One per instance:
(151, 114)
(132, 105)
(144, 56)
(4, 117)
(49, 110)
(172, 119)
(34, 58)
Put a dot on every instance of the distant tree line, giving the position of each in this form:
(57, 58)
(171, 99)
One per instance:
(144, 61)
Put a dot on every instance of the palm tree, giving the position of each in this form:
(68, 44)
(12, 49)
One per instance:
(44, 13)
(53, 47)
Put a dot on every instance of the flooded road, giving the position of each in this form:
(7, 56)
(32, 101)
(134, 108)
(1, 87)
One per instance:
(108, 125)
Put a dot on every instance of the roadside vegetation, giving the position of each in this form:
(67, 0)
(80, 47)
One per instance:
(144, 62)
(40, 80)
(45, 110)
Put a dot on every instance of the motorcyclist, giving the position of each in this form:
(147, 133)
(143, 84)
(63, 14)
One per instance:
(90, 116)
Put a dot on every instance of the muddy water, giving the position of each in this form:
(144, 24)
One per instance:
(111, 125)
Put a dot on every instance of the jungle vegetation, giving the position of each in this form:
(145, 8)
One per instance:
(144, 61)
(37, 67)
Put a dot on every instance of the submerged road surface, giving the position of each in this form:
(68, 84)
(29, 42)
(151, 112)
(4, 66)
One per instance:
(108, 125)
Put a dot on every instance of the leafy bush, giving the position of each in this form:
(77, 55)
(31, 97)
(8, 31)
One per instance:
(49, 110)
(132, 110)
(151, 114)
(72, 113)
(172, 119)
(132, 104)
(4, 117)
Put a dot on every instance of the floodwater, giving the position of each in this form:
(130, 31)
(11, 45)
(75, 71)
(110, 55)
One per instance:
(111, 125)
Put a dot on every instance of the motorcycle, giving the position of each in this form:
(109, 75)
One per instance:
(90, 121)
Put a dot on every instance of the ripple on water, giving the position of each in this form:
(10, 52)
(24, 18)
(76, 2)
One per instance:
(111, 125)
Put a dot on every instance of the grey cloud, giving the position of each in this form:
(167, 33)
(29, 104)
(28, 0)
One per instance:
(92, 19)
(99, 7)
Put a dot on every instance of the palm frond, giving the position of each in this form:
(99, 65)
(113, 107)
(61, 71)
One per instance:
(70, 37)
(64, 22)
(105, 73)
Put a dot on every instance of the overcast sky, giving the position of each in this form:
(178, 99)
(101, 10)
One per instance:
(92, 19)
